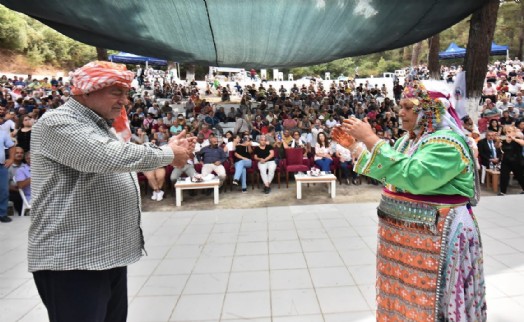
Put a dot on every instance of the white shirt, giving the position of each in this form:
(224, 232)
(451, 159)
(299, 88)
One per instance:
(331, 123)
(345, 154)
(8, 126)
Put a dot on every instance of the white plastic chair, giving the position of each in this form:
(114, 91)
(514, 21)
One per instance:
(25, 204)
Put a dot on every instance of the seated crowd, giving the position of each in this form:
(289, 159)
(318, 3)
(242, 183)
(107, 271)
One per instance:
(270, 121)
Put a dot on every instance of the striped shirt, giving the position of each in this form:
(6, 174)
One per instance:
(85, 194)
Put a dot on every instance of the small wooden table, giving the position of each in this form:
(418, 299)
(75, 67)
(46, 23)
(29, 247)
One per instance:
(330, 179)
(493, 179)
(188, 185)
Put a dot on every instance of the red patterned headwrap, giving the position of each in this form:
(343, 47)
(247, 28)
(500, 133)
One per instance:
(100, 74)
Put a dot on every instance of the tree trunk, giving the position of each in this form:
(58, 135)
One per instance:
(101, 53)
(416, 54)
(521, 34)
(406, 56)
(481, 30)
(433, 64)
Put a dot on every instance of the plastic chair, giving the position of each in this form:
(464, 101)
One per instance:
(294, 162)
(25, 204)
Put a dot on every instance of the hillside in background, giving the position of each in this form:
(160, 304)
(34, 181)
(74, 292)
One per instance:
(28, 46)
(14, 63)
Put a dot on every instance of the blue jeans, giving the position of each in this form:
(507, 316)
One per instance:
(240, 171)
(4, 190)
(346, 168)
(324, 164)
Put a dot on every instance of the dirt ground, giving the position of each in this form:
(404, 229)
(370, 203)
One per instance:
(314, 194)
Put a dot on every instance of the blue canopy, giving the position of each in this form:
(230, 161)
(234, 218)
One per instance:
(498, 49)
(453, 51)
(127, 58)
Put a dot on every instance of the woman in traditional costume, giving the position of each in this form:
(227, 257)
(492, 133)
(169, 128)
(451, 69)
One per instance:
(429, 257)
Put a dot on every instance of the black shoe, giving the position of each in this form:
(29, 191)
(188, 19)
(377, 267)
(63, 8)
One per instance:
(268, 189)
(5, 219)
(347, 181)
(522, 192)
(501, 194)
(235, 182)
(265, 189)
(355, 182)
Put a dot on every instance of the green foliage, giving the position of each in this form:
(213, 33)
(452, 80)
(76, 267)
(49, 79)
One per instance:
(41, 44)
(510, 24)
(13, 31)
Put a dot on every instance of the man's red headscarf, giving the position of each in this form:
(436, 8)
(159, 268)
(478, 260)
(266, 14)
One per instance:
(100, 74)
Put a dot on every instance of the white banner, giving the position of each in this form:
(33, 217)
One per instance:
(458, 96)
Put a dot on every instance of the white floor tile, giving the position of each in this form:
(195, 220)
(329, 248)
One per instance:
(222, 238)
(290, 279)
(323, 259)
(219, 250)
(247, 305)
(248, 281)
(363, 316)
(505, 309)
(25, 291)
(211, 283)
(223, 258)
(253, 248)
(213, 265)
(253, 236)
(37, 314)
(299, 318)
(284, 246)
(331, 277)
(184, 251)
(317, 245)
(154, 308)
(276, 235)
(163, 285)
(198, 307)
(178, 266)
(143, 267)
(341, 299)
(287, 261)
(15, 309)
(356, 257)
(10, 284)
(294, 302)
(250, 263)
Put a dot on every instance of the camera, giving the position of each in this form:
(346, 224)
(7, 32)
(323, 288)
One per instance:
(244, 139)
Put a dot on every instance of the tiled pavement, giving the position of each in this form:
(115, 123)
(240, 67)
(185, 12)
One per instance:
(280, 264)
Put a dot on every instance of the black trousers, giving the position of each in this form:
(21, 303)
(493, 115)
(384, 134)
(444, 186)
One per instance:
(505, 169)
(84, 296)
(15, 197)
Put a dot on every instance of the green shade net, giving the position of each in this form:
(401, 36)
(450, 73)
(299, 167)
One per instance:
(246, 33)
